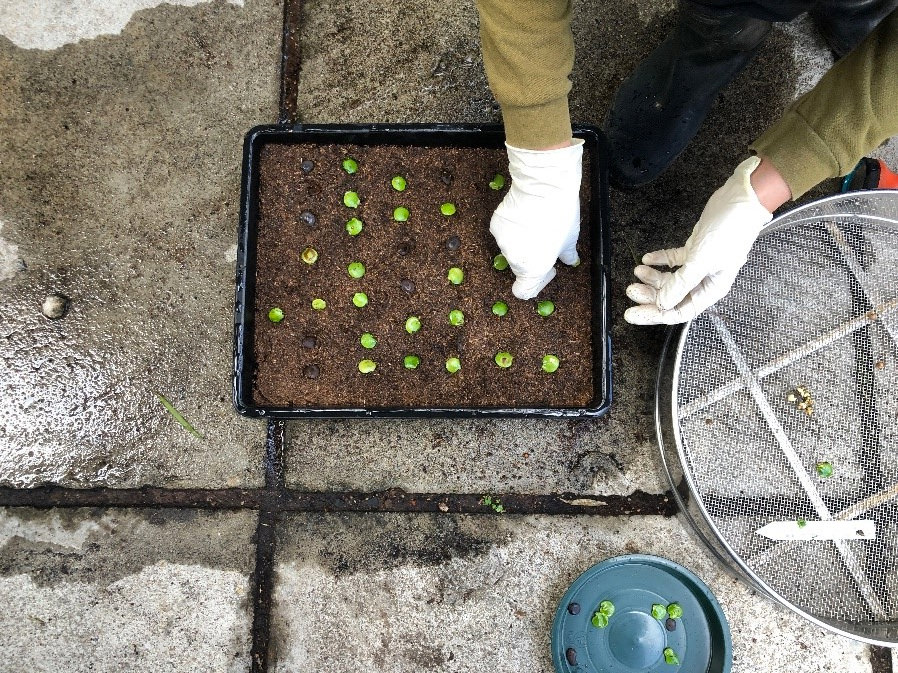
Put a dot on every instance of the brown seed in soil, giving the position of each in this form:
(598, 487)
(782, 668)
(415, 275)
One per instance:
(309, 342)
(571, 655)
(670, 624)
(405, 248)
(307, 166)
(407, 285)
(871, 315)
(311, 371)
(880, 365)
(308, 218)
(453, 243)
(446, 178)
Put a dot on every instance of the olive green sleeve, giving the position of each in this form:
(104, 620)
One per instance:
(850, 112)
(528, 54)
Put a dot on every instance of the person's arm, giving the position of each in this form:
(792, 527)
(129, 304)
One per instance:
(850, 112)
(528, 55)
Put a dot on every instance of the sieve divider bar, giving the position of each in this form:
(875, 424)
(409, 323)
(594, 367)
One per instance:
(754, 388)
(773, 366)
(863, 279)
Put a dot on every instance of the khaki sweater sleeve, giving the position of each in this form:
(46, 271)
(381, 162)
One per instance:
(850, 112)
(528, 54)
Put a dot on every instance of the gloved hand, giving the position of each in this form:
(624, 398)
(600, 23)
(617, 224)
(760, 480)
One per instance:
(538, 221)
(709, 261)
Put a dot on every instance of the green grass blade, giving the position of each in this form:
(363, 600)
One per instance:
(184, 423)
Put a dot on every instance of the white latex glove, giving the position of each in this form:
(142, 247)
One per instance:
(538, 221)
(709, 261)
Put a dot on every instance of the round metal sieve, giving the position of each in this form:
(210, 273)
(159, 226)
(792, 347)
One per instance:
(797, 366)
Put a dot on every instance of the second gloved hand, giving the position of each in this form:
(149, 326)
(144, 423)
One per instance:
(709, 261)
(538, 221)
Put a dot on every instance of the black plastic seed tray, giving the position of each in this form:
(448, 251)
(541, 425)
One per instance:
(430, 135)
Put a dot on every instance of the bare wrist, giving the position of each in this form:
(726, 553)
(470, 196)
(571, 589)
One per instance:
(770, 187)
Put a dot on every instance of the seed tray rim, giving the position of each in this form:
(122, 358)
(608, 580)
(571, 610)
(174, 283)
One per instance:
(435, 135)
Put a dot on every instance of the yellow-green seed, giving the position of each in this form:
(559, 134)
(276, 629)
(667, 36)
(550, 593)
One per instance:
(367, 366)
(500, 263)
(319, 304)
(351, 200)
(500, 308)
(310, 255)
(456, 318)
(412, 324)
(504, 359)
(453, 365)
(354, 226)
(550, 363)
(401, 214)
(398, 183)
(360, 299)
(455, 275)
(498, 182)
(356, 269)
(275, 314)
(447, 209)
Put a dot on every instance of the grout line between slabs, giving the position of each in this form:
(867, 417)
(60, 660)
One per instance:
(290, 63)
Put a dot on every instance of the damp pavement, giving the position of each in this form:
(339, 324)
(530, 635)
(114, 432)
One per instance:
(119, 192)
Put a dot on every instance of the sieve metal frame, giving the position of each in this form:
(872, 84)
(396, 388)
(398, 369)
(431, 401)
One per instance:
(673, 458)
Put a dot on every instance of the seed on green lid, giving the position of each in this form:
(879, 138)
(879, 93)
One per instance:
(456, 317)
(448, 209)
(824, 469)
(398, 183)
(498, 182)
(360, 299)
(411, 361)
(350, 165)
(659, 611)
(500, 308)
(599, 620)
(412, 324)
(606, 608)
(550, 363)
(310, 255)
(504, 359)
(367, 340)
(453, 365)
(670, 657)
(675, 610)
(545, 308)
(367, 366)
(500, 263)
(356, 269)
(354, 226)
(275, 314)
(455, 275)
(400, 214)
(319, 304)
(351, 200)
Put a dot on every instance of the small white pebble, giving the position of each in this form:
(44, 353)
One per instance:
(54, 306)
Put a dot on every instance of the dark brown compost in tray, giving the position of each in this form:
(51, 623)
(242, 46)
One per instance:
(311, 357)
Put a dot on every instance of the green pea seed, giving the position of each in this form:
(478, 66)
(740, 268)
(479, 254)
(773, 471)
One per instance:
(448, 209)
(319, 304)
(367, 366)
(606, 608)
(453, 365)
(500, 263)
(411, 361)
(670, 657)
(550, 363)
(351, 200)
(802, 523)
(367, 340)
(500, 308)
(659, 611)
(400, 214)
(412, 324)
(360, 299)
(356, 269)
(456, 318)
(504, 359)
(824, 469)
(354, 226)
(275, 314)
(310, 255)
(455, 275)
(350, 165)
(498, 182)
(545, 308)
(398, 183)
(599, 620)
(674, 611)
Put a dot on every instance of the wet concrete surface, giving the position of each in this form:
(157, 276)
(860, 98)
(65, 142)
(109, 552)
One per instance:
(398, 593)
(117, 590)
(120, 176)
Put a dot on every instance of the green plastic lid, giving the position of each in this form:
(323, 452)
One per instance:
(633, 640)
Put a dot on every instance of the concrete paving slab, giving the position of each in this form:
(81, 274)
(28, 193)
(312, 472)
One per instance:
(90, 590)
(120, 187)
(403, 593)
(438, 76)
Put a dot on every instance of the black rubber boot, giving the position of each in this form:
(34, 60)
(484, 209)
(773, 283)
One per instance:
(659, 109)
(844, 25)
